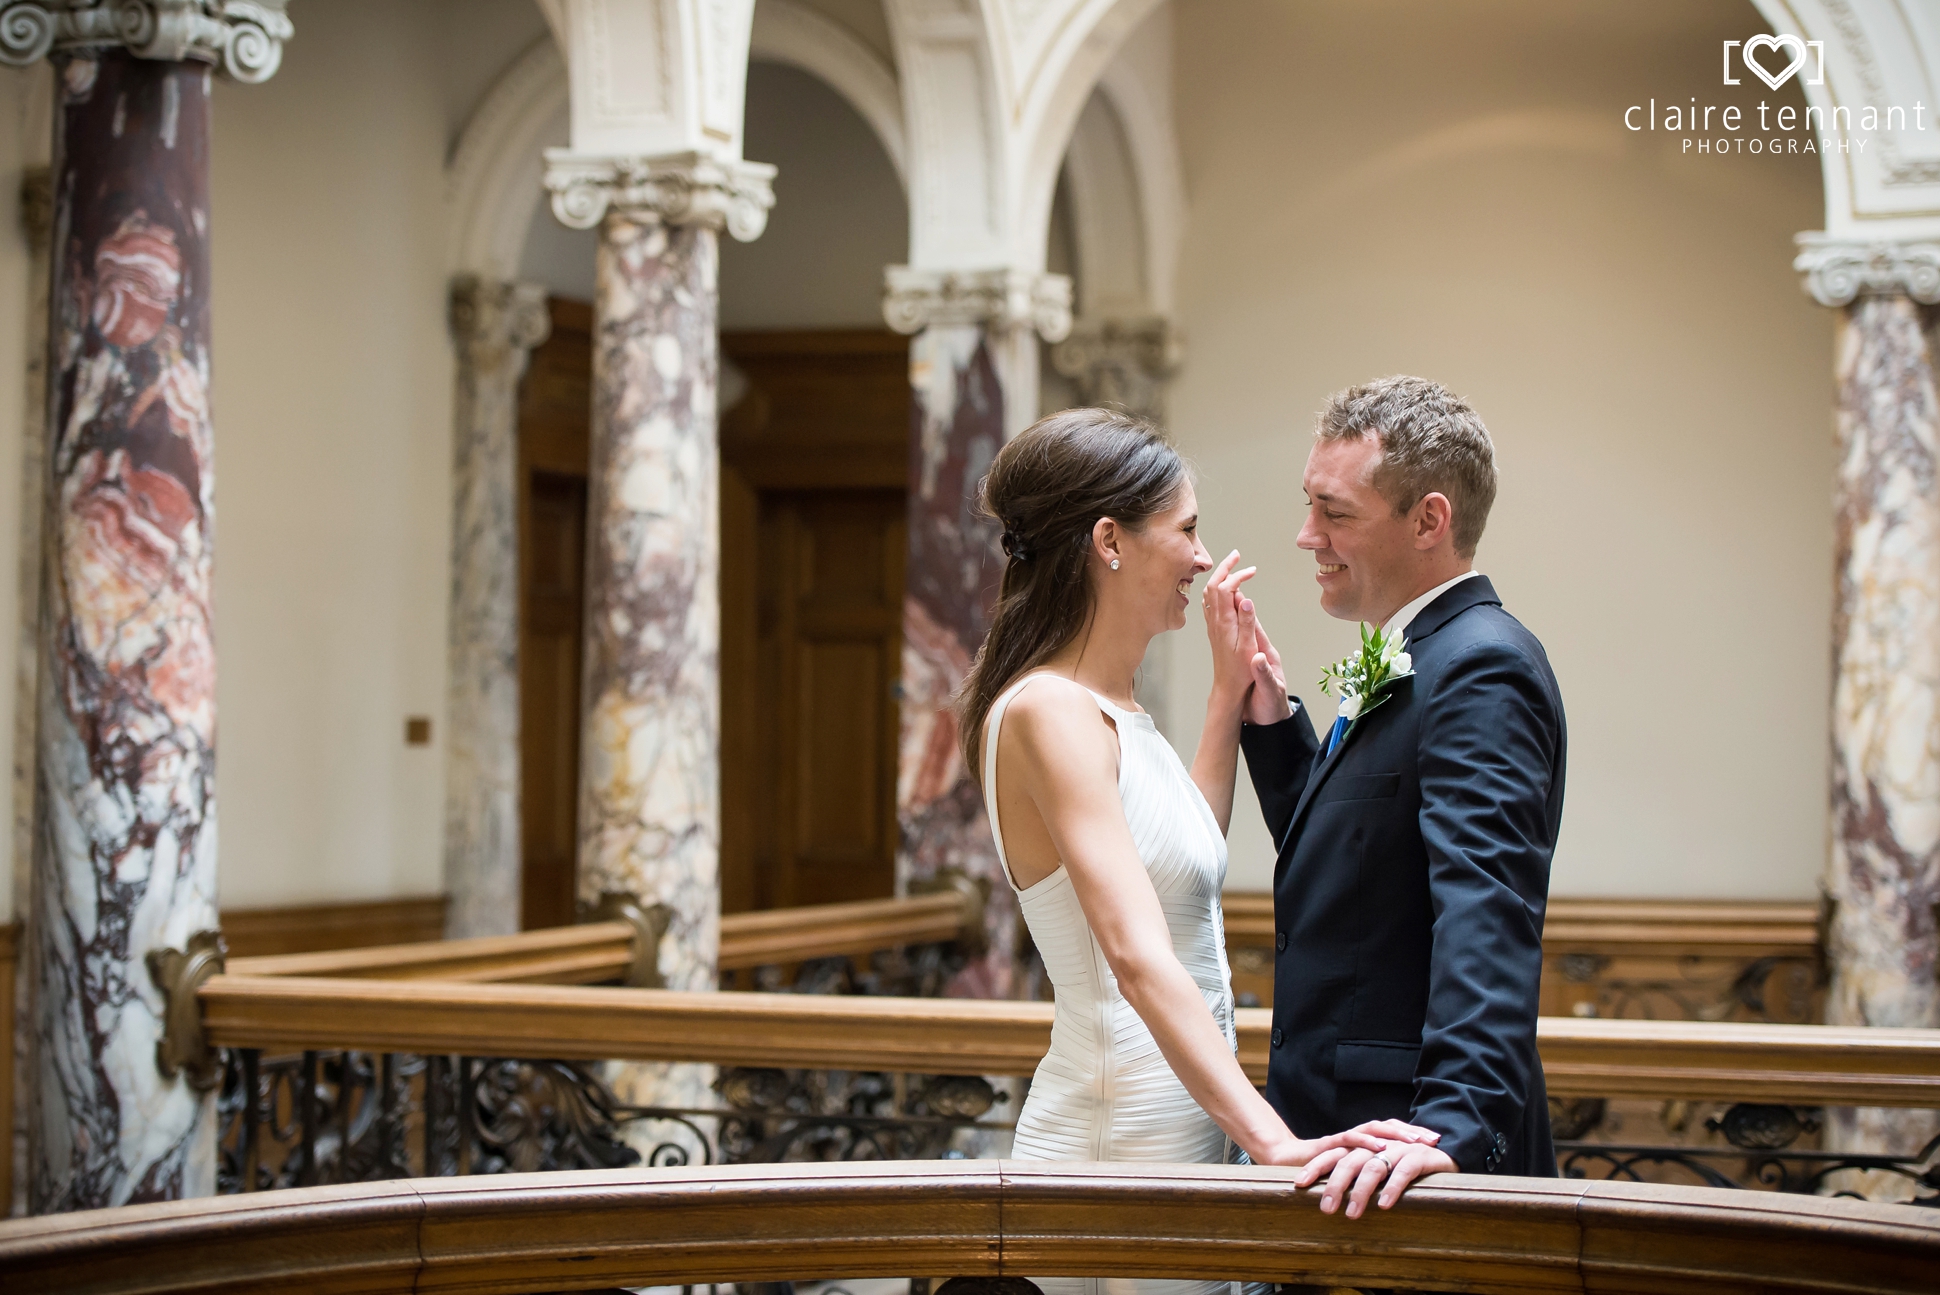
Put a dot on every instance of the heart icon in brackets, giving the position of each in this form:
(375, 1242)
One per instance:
(1787, 41)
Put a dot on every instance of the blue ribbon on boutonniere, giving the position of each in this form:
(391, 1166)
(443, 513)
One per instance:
(1366, 679)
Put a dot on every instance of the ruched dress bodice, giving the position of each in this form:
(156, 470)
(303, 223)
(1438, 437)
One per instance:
(1104, 1091)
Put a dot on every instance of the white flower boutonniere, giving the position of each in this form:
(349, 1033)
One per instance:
(1367, 678)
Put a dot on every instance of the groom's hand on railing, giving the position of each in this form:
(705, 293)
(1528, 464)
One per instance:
(1358, 1171)
(1317, 1154)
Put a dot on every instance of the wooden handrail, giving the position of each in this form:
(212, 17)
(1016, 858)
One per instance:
(634, 1227)
(1581, 1057)
(599, 951)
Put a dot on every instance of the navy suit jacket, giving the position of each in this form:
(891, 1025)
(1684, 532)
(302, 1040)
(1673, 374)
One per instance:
(1408, 896)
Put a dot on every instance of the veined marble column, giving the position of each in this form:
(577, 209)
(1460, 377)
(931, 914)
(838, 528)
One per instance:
(1883, 876)
(124, 860)
(649, 815)
(494, 326)
(973, 383)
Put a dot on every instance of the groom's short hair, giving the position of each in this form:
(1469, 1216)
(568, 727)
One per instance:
(1431, 441)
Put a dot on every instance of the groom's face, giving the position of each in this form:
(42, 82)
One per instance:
(1363, 552)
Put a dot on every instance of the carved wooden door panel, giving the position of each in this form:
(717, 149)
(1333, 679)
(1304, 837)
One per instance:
(813, 524)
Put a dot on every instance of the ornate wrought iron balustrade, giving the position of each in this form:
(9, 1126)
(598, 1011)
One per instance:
(327, 1117)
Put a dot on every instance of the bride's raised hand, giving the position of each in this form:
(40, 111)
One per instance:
(1231, 632)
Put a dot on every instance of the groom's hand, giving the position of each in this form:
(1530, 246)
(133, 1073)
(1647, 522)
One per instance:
(1267, 702)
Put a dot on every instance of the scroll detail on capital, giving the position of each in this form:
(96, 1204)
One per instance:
(489, 315)
(242, 37)
(679, 189)
(1836, 271)
(914, 300)
(1121, 362)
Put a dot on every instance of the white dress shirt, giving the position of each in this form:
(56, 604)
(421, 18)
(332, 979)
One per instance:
(1399, 622)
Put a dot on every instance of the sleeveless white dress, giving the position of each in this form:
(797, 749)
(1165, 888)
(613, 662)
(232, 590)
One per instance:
(1104, 1091)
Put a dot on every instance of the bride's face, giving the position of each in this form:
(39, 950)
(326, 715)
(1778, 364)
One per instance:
(1157, 565)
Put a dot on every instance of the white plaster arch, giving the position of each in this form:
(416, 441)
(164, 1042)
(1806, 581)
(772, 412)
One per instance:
(1111, 276)
(1879, 52)
(497, 170)
(792, 33)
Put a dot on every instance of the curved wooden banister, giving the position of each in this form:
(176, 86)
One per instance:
(1594, 1058)
(564, 1231)
(600, 951)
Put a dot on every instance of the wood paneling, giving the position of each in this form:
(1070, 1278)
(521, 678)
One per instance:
(1670, 959)
(307, 928)
(1816, 1065)
(602, 951)
(555, 426)
(696, 1225)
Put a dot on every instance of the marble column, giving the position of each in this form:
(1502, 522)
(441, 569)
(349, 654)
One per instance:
(494, 327)
(1883, 874)
(125, 822)
(649, 814)
(972, 384)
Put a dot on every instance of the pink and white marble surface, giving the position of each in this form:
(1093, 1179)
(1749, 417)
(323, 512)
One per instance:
(1884, 871)
(125, 859)
(957, 427)
(649, 821)
(494, 327)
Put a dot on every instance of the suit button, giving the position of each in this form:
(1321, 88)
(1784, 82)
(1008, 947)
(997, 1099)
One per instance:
(1277, 1038)
(1280, 941)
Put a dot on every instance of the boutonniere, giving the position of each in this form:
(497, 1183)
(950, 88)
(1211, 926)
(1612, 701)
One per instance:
(1367, 678)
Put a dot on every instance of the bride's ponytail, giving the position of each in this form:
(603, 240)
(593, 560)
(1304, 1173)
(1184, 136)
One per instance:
(1047, 488)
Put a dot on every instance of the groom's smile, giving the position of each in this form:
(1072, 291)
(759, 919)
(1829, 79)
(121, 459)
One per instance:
(1367, 561)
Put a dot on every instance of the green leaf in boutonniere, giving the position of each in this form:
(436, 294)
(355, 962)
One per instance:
(1367, 678)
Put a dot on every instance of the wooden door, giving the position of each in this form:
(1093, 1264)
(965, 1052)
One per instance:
(555, 420)
(814, 460)
(813, 540)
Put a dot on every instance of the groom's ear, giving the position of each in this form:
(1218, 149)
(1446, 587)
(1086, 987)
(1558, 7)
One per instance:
(1431, 520)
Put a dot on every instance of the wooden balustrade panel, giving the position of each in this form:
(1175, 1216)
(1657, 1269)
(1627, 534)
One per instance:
(515, 1234)
(1650, 959)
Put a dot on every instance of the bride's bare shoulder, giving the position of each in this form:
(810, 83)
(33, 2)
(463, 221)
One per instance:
(1055, 717)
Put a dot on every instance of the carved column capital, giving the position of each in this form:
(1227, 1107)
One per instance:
(1121, 362)
(485, 314)
(1836, 271)
(242, 37)
(680, 189)
(914, 299)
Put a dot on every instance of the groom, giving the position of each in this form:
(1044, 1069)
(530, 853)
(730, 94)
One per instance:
(1415, 846)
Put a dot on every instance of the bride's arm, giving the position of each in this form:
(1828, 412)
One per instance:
(1242, 657)
(1067, 760)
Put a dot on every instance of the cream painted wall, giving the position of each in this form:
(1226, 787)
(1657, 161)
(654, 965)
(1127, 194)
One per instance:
(1449, 190)
(333, 429)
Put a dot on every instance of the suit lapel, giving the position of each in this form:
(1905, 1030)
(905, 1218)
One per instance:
(1444, 609)
(1323, 766)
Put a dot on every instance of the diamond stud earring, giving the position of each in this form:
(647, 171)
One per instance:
(1114, 564)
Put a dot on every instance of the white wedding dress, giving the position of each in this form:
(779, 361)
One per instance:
(1104, 1091)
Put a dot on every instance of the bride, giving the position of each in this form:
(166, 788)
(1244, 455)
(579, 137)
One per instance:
(1116, 852)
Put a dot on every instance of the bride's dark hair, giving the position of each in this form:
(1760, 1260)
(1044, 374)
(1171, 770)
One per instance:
(1047, 488)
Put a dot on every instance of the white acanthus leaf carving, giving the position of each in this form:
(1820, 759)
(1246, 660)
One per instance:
(915, 299)
(682, 189)
(1121, 362)
(242, 37)
(1837, 271)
